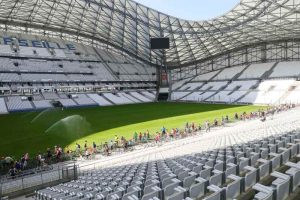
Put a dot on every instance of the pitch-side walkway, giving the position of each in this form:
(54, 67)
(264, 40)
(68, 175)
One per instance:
(234, 133)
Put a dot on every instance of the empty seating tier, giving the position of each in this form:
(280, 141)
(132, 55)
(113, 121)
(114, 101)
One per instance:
(264, 83)
(226, 173)
(17, 103)
(99, 100)
(3, 108)
(83, 100)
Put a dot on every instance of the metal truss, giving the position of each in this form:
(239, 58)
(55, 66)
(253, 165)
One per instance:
(273, 51)
(127, 26)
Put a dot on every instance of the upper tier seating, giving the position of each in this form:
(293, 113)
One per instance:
(85, 60)
(213, 85)
(286, 69)
(43, 77)
(179, 84)
(241, 85)
(206, 76)
(58, 68)
(256, 70)
(132, 72)
(229, 73)
(9, 77)
(191, 86)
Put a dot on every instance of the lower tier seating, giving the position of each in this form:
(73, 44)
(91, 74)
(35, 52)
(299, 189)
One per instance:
(18, 103)
(266, 169)
(3, 108)
(46, 100)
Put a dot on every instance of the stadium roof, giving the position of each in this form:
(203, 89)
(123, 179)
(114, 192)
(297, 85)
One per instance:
(127, 26)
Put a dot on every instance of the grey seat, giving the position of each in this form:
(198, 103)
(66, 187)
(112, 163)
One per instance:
(275, 161)
(188, 181)
(265, 192)
(220, 165)
(264, 168)
(216, 178)
(156, 192)
(179, 194)
(217, 193)
(230, 169)
(281, 184)
(294, 172)
(233, 189)
(198, 168)
(131, 196)
(169, 189)
(206, 172)
(250, 177)
(198, 190)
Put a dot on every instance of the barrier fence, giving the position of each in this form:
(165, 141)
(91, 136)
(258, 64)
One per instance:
(28, 184)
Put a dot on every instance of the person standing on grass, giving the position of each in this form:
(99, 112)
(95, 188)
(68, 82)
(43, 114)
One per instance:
(148, 135)
(223, 121)
(140, 137)
(236, 116)
(163, 130)
(156, 138)
(116, 141)
(106, 149)
(85, 145)
(94, 147)
(135, 136)
(87, 154)
(207, 126)
(111, 145)
(49, 156)
(58, 154)
(39, 160)
(12, 171)
(25, 160)
(199, 127)
(78, 148)
(216, 123)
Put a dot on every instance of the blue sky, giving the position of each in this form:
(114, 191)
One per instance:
(191, 9)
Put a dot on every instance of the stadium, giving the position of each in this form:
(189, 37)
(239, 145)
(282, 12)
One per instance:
(114, 100)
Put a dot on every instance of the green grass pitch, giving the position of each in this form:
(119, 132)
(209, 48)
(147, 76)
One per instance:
(35, 131)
